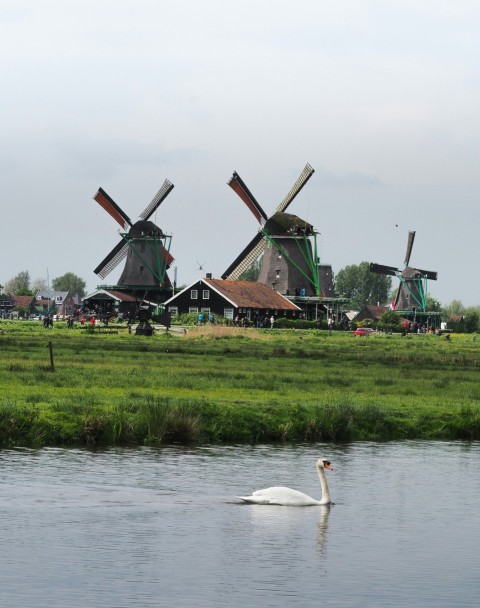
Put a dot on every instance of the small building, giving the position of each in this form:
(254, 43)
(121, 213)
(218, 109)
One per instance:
(231, 299)
(64, 303)
(103, 302)
(43, 306)
(455, 323)
(24, 305)
(373, 313)
(7, 304)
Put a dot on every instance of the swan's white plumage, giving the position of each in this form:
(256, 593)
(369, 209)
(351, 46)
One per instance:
(279, 495)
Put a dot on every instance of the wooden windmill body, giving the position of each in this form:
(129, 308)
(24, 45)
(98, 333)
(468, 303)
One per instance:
(143, 246)
(289, 263)
(412, 291)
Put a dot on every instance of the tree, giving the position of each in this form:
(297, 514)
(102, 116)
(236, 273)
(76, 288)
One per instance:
(71, 283)
(433, 305)
(361, 286)
(19, 285)
(39, 285)
(472, 321)
(455, 308)
(251, 274)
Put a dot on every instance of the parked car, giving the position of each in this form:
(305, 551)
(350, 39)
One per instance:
(363, 331)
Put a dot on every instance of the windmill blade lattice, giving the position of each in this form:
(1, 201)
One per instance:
(113, 259)
(305, 175)
(161, 195)
(248, 256)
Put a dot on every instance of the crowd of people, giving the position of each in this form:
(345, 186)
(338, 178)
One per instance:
(258, 321)
(412, 327)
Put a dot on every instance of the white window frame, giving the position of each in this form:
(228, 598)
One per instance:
(206, 294)
(228, 313)
(173, 310)
(192, 310)
(194, 294)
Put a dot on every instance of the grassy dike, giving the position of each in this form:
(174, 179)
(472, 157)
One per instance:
(224, 384)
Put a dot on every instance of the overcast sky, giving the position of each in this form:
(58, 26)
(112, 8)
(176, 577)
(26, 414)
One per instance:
(381, 98)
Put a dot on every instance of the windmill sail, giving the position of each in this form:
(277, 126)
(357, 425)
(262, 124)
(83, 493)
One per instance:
(112, 260)
(430, 274)
(112, 208)
(382, 269)
(237, 184)
(161, 195)
(408, 253)
(248, 256)
(305, 175)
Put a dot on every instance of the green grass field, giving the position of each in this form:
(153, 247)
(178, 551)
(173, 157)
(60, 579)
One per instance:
(226, 384)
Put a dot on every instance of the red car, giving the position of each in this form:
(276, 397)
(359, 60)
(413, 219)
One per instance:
(363, 331)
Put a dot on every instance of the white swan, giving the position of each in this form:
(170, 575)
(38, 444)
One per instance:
(278, 495)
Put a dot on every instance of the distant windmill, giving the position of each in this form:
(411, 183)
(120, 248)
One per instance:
(289, 264)
(144, 245)
(413, 281)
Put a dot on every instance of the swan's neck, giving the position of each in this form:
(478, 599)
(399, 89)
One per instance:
(323, 482)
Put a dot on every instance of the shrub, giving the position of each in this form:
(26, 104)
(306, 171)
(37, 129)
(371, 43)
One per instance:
(367, 323)
(285, 323)
(390, 321)
(472, 322)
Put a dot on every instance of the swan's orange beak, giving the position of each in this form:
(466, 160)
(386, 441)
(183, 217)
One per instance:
(328, 466)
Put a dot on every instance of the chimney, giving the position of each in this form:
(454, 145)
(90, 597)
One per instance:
(208, 275)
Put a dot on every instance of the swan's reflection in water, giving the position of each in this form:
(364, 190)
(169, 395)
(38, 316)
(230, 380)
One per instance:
(271, 522)
(322, 529)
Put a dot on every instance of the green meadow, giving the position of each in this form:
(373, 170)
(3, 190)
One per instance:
(218, 384)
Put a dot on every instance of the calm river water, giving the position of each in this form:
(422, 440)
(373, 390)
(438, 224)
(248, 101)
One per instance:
(162, 527)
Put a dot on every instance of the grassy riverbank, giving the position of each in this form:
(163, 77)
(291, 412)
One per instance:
(220, 384)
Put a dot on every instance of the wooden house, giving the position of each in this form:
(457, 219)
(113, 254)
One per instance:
(232, 300)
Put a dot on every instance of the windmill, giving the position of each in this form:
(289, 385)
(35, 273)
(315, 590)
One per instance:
(145, 247)
(412, 290)
(288, 264)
